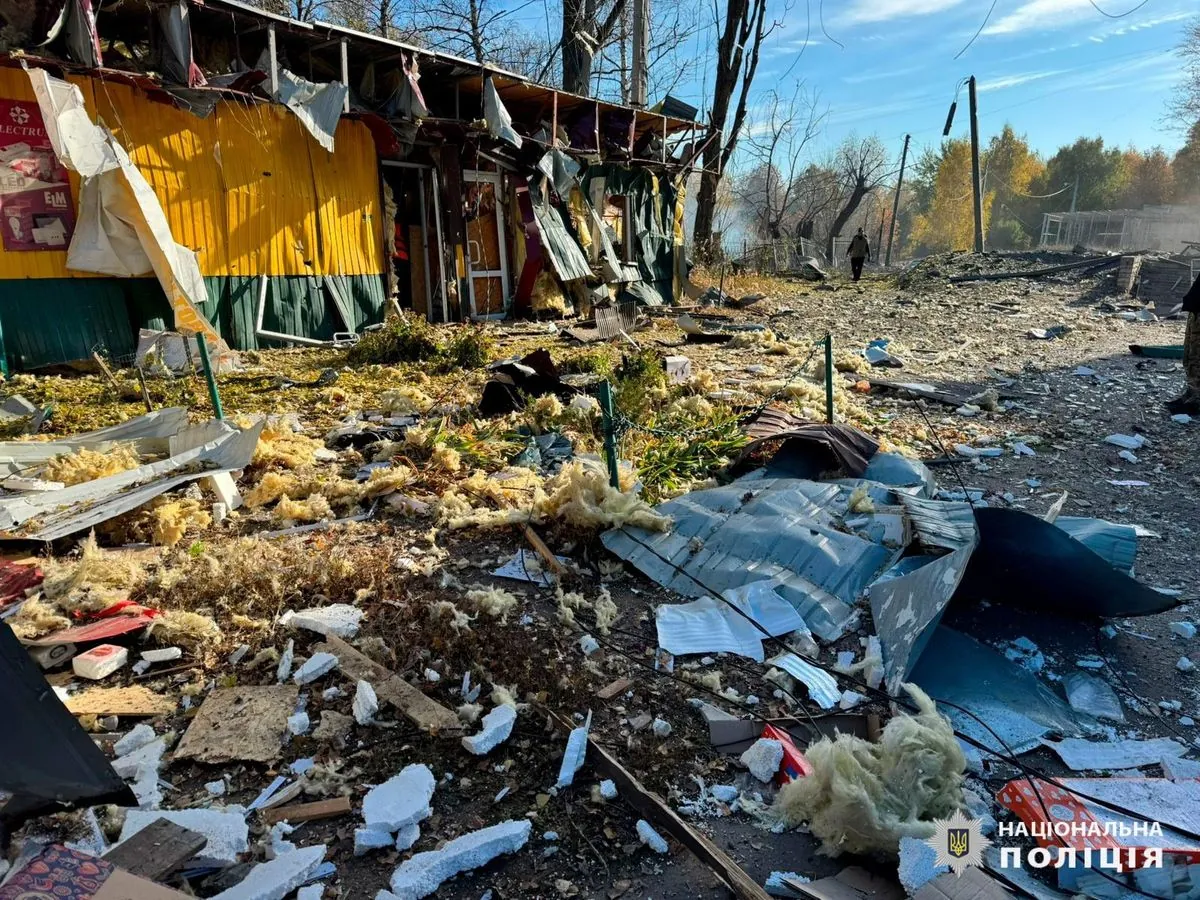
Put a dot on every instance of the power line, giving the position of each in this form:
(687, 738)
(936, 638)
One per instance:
(821, 13)
(979, 32)
(1109, 15)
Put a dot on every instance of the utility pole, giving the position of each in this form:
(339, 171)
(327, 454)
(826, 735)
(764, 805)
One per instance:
(976, 182)
(1075, 194)
(641, 47)
(896, 202)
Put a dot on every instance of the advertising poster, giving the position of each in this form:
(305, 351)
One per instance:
(36, 212)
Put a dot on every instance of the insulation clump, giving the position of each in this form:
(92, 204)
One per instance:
(313, 509)
(446, 459)
(36, 618)
(88, 465)
(404, 401)
(181, 627)
(864, 797)
(163, 522)
(279, 444)
(860, 500)
(493, 601)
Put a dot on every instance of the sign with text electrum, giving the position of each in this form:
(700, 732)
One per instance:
(36, 212)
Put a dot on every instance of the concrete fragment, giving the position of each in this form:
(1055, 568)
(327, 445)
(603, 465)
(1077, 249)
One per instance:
(317, 665)
(433, 676)
(298, 723)
(311, 892)
(497, 726)
(366, 704)
(100, 662)
(1185, 630)
(215, 788)
(148, 756)
(401, 800)
(166, 654)
(407, 836)
(421, 875)
(608, 789)
(139, 736)
(239, 654)
(276, 879)
(1185, 664)
(726, 793)
(1126, 441)
(284, 671)
(226, 830)
(650, 837)
(279, 842)
(661, 728)
(918, 864)
(339, 619)
(368, 839)
(763, 758)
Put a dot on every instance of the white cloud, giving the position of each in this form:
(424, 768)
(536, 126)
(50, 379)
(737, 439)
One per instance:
(865, 11)
(1010, 81)
(1119, 30)
(880, 75)
(1048, 15)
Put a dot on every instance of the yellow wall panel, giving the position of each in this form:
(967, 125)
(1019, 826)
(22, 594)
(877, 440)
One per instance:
(247, 188)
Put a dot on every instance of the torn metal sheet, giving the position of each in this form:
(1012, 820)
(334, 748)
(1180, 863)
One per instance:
(1024, 561)
(499, 122)
(783, 529)
(1117, 544)
(908, 609)
(121, 228)
(822, 687)
(562, 171)
(568, 260)
(83, 506)
(823, 446)
(709, 625)
(941, 523)
(1092, 756)
(317, 106)
(899, 471)
(149, 434)
(1012, 702)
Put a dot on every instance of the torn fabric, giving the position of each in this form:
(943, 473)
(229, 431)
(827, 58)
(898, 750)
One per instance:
(121, 229)
(499, 122)
(176, 27)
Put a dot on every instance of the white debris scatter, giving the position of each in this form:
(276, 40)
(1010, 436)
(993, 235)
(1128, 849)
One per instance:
(1128, 455)
(762, 758)
(401, 800)
(650, 837)
(1185, 630)
(1093, 696)
(497, 726)
(574, 755)
(1126, 441)
(279, 842)
(661, 728)
(918, 864)
(588, 645)
(366, 704)
(338, 619)
(215, 788)
(421, 875)
(850, 699)
(276, 879)
(368, 839)
(166, 654)
(239, 654)
(311, 892)
(433, 676)
(298, 723)
(775, 882)
(144, 758)
(608, 789)
(284, 671)
(1090, 662)
(1185, 664)
(726, 793)
(226, 830)
(550, 836)
(317, 665)
(1181, 419)
(139, 736)
(407, 836)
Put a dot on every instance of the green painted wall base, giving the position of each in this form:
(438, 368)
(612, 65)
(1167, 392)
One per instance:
(47, 321)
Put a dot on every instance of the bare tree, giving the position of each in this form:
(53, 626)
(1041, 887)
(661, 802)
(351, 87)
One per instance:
(775, 141)
(861, 167)
(587, 27)
(1184, 108)
(743, 31)
(673, 23)
(477, 29)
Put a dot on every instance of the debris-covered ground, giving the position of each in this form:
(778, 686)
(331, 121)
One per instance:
(382, 599)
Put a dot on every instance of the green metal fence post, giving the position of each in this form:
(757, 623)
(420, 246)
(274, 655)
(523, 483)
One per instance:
(829, 378)
(610, 433)
(209, 377)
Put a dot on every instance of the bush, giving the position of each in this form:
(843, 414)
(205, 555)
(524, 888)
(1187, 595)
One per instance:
(408, 338)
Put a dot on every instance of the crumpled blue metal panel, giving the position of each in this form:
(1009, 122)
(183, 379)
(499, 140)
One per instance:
(1116, 544)
(758, 528)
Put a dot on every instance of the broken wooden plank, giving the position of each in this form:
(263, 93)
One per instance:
(157, 850)
(655, 811)
(424, 712)
(246, 723)
(308, 812)
(551, 561)
(123, 701)
(618, 687)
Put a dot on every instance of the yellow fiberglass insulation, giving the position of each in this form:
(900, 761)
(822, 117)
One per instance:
(65, 579)
(860, 500)
(271, 487)
(581, 495)
(864, 797)
(163, 522)
(387, 481)
(88, 465)
(313, 509)
(446, 458)
(494, 601)
(36, 618)
(278, 443)
(403, 401)
(176, 626)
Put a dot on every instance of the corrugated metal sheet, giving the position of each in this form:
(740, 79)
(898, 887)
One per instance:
(54, 320)
(758, 528)
(348, 202)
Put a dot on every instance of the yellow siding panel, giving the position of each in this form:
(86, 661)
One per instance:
(247, 188)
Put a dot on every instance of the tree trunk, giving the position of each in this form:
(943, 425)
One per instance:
(576, 52)
(852, 204)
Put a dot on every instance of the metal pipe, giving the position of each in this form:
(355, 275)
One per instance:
(610, 434)
(437, 216)
(213, 394)
(261, 332)
(976, 181)
(274, 60)
(896, 204)
(829, 378)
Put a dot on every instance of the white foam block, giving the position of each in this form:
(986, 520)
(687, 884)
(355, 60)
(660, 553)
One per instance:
(401, 800)
(226, 830)
(424, 873)
(276, 879)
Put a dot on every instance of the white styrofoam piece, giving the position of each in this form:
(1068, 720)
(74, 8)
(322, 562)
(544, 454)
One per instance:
(401, 800)
(276, 879)
(138, 736)
(314, 667)
(366, 703)
(339, 619)
(421, 875)
(763, 758)
(226, 829)
(496, 727)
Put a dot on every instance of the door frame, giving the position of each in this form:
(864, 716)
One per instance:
(437, 212)
(495, 180)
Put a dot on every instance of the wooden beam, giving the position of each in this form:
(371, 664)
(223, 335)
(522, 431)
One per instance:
(654, 810)
(346, 75)
(425, 712)
(274, 59)
(543, 551)
(308, 812)
(157, 850)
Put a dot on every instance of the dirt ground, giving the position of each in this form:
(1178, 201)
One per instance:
(975, 333)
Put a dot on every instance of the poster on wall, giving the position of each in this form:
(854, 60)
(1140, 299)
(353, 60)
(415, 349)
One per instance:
(36, 212)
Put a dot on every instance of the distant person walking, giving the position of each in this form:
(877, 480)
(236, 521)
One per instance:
(1189, 402)
(859, 252)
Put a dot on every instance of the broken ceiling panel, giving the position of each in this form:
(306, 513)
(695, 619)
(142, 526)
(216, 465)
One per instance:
(761, 528)
(938, 523)
(149, 434)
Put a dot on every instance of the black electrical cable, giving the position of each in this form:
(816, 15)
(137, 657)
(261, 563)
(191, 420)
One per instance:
(1109, 15)
(975, 36)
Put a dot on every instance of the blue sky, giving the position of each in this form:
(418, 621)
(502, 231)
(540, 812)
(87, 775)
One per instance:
(1055, 69)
